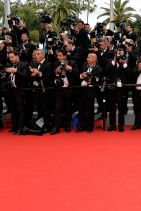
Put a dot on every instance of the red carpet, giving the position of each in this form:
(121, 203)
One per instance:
(100, 171)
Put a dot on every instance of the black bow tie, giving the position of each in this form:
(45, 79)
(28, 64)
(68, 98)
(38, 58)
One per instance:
(39, 64)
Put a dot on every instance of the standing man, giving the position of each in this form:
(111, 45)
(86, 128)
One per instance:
(67, 75)
(90, 77)
(18, 78)
(43, 77)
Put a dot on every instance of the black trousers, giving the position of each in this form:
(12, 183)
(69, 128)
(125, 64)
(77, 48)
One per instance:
(1, 105)
(41, 101)
(63, 105)
(86, 108)
(116, 100)
(137, 107)
(17, 105)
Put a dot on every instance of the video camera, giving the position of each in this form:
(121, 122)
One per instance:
(13, 19)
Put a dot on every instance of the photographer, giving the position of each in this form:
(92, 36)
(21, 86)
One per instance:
(67, 75)
(17, 27)
(26, 48)
(120, 34)
(116, 74)
(100, 31)
(42, 77)
(47, 35)
(74, 53)
(130, 33)
(17, 81)
(90, 77)
(136, 79)
(82, 40)
(1, 103)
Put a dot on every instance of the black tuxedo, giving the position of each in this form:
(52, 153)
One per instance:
(87, 97)
(44, 98)
(17, 95)
(132, 36)
(132, 59)
(116, 96)
(26, 51)
(118, 38)
(76, 55)
(84, 42)
(103, 58)
(64, 97)
(16, 35)
(136, 99)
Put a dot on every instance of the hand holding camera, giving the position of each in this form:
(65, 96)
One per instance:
(11, 70)
(68, 68)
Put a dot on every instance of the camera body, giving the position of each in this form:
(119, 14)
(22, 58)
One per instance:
(120, 55)
(12, 18)
(121, 24)
(6, 82)
(45, 18)
(71, 20)
(59, 77)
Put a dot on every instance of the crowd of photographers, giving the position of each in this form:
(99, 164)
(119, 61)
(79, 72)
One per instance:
(67, 74)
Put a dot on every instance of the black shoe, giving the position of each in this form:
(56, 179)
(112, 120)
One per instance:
(13, 130)
(1, 124)
(20, 132)
(46, 130)
(111, 128)
(135, 127)
(68, 129)
(55, 131)
(121, 129)
(80, 129)
(89, 130)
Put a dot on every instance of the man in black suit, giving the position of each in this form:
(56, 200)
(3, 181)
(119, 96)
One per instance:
(136, 79)
(1, 103)
(130, 33)
(18, 80)
(116, 73)
(43, 78)
(103, 57)
(16, 31)
(119, 36)
(26, 48)
(67, 75)
(82, 40)
(74, 53)
(90, 76)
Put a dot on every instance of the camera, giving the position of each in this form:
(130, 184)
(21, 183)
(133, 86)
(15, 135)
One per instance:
(99, 27)
(1, 68)
(50, 39)
(6, 82)
(99, 30)
(12, 18)
(45, 18)
(119, 53)
(71, 20)
(121, 24)
(59, 78)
